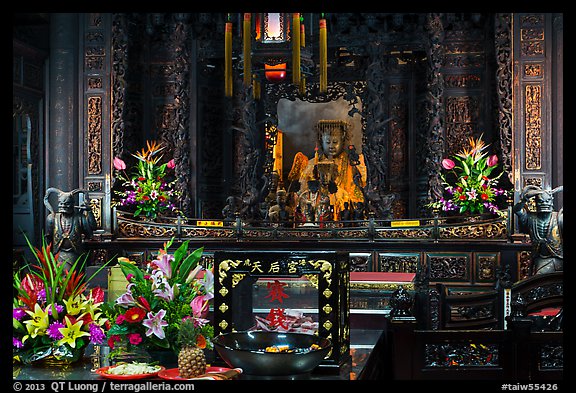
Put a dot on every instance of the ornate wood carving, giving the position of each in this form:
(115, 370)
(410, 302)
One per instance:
(182, 113)
(503, 49)
(449, 267)
(398, 263)
(94, 146)
(119, 66)
(435, 133)
(533, 126)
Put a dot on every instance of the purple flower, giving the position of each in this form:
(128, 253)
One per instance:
(18, 313)
(42, 296)
(54, 332)
(97, 335)
(17, 343)
(59, 309)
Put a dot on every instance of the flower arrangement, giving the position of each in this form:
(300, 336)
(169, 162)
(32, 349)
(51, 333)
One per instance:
(158, 298)
(55, 315)
(471, 187)
(147, 189)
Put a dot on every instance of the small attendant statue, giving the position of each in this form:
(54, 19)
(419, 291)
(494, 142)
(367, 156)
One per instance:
(69, 225)
(545, 228)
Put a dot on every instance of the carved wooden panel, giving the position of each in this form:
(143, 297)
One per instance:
(398, 262)
(449, 267)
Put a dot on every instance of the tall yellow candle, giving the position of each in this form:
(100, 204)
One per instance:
(247, 49)
(323, 57)
(296, 48)
(228, 60)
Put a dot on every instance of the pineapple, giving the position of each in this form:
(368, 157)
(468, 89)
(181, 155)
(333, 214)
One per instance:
(193, 339)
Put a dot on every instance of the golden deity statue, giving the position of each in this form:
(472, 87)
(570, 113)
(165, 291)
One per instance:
(340, 171)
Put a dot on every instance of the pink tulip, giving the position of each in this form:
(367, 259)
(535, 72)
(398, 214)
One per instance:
(171, 164)
(492, 160)
(119, 164)
(448, 163)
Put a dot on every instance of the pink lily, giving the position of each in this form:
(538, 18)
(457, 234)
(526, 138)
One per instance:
(155, 324)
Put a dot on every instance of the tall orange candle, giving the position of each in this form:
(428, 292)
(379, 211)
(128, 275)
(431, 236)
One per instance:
(323, 57)
(228, 60)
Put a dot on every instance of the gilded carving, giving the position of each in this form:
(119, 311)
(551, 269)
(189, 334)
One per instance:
(236, 278)
(95, 186)
(94, 82)
(462, 81)
(94, 135)
(533, 34)
(486, 267)
(533, 126)
(94, 58)
(416, 233)
(534, 70)
(492, 230)
(223, 307)
(96, 205)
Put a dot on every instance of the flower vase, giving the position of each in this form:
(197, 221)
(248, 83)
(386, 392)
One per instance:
(55, 359)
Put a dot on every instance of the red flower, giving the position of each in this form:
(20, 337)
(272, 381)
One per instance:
(141, 178)
(462, 197)
(134, 338)
(484, 196)
(144, 303)
(171, 164)
(97, 295)
(134, 315)
(113, 339)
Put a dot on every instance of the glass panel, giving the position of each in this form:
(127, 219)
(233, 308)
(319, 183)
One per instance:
(285, 304)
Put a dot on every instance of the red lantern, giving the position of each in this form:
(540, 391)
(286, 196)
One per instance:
(275, 73)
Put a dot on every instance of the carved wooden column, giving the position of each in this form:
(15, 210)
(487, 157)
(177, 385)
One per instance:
(534, 155)
(95, 135)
